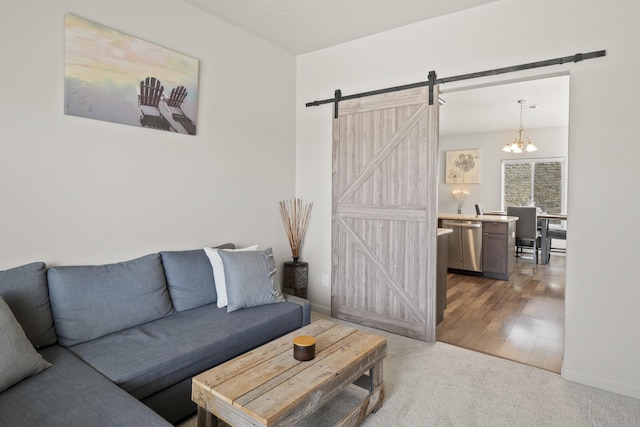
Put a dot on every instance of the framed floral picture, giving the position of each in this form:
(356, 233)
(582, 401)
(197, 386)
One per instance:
(463, 167)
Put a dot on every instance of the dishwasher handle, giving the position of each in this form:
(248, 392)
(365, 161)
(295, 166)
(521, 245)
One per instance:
(462, 224)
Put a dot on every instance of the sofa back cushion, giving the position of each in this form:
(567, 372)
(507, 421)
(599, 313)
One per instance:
(190, 277)
(24, 289)
(89, 302)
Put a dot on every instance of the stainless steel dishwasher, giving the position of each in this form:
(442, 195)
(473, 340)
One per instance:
(465, 245)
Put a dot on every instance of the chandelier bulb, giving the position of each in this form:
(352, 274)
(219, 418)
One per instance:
(518, 146)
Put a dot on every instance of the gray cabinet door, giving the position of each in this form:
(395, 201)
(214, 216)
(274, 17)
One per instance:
(498, 243)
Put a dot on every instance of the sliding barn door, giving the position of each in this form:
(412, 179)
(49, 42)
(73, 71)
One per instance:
(384, 218)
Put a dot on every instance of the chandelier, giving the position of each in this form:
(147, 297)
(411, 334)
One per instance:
(519, 145)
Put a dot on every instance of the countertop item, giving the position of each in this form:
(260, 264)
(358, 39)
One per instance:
(482, 218)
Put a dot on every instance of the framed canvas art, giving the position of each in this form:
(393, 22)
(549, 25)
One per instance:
(463, 167)
(119, 78)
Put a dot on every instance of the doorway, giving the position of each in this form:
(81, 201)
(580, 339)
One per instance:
(521, 319)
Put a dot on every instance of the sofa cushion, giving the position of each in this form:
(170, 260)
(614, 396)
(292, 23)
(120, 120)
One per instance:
(249, 279)
(190, 277)
(89, 302)
(70, 393)
(18, 358)
(151, 357)
(24, 289)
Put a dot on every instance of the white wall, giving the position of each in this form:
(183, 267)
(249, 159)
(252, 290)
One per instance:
(75, 190)
(602, 316)
(551, 142)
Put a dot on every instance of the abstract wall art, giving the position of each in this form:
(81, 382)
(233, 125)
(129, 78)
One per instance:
(463, 167)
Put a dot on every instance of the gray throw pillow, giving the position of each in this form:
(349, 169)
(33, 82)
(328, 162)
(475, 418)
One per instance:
(249, 279)
(25, 291)
(18, 358)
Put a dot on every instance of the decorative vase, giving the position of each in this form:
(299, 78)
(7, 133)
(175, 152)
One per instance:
(295, 278)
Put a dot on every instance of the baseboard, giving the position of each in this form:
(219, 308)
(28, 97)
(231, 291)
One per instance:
(601, 383)
(321, 309)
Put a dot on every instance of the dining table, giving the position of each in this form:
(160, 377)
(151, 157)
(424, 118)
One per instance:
(545, 241)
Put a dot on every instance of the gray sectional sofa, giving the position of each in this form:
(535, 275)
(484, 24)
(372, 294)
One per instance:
(124, 340)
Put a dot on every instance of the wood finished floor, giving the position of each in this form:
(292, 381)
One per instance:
(521, 319)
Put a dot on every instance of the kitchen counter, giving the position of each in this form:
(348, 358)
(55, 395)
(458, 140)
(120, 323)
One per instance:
(482, 218)
(480, 244)
(441, 272)
(443, 231)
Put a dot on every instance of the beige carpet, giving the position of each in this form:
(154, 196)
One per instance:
(442, 385)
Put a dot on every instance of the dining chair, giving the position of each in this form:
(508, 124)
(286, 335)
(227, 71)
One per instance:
(527, 233)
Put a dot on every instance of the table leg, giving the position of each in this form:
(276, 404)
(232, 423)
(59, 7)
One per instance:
(545, 252)
(206, 418)
(376, 390)
(371, 403)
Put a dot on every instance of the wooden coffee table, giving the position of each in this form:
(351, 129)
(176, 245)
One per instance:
(267, 386)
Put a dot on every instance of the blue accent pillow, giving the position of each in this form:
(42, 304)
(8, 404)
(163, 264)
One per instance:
(218, 273)
(249, 279)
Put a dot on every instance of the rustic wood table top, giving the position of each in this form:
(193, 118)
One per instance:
(267, 386)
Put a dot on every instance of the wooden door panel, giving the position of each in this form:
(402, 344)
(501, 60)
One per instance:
(360, 158)
(376, 272)
(384, 213)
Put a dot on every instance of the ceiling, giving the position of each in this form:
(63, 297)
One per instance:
(302, 26)
(496, 108)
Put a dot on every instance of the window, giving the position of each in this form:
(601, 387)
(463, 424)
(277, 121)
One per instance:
(534, 182)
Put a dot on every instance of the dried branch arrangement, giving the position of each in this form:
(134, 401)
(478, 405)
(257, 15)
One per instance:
(295, 217)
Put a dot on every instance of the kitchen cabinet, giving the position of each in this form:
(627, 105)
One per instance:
(493, 245)
(498, 244)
